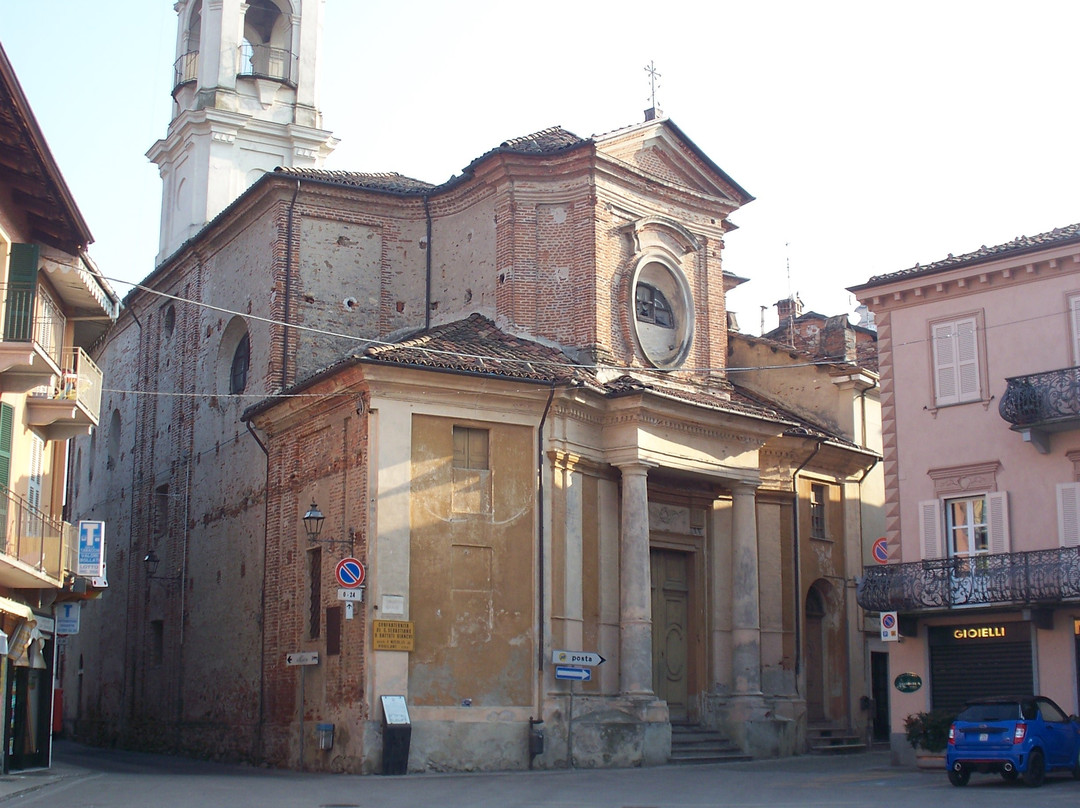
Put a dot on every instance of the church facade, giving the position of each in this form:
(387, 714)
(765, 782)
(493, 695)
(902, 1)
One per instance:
(508, 398)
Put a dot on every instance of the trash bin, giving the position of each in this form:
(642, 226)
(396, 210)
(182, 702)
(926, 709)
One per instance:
(397, 733)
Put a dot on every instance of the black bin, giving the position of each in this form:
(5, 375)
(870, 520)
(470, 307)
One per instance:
(397, 733)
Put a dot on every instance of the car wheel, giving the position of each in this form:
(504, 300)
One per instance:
(959, 778)
(1076, 767)
(1036, 769)
(1011, 775)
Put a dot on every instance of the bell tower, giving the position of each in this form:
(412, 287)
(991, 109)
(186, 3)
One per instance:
(245, 101)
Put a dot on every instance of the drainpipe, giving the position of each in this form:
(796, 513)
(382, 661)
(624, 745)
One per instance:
(427, 267)
(798, 570)
(262, 601)
(540, 528)
(286, 325)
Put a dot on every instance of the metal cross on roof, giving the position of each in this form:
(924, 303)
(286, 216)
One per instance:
(654, 74)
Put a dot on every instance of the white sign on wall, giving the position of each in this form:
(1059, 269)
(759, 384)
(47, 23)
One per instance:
(67, 617)
(889, 631)
(91, 549)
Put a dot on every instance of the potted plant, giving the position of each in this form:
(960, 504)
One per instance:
(928, 734)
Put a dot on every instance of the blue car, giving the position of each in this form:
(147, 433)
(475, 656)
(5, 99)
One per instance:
(1015, 737)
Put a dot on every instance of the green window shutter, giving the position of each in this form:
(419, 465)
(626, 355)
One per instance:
(21, 286)
(7, 424)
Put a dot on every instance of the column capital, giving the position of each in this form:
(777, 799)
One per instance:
(635, 466)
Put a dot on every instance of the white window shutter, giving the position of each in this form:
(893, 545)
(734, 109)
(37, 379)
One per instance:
(967, 360)
(930, 529)
(1074, 324)
(945, 365)
(33, 486)
(1068, 507)
(998, 521)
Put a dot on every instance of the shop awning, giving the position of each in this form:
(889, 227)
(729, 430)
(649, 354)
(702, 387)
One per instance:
(15, 608)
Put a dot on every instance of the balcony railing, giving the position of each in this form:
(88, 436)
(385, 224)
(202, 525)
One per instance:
(1042, 399)
(185, 69)
(262, 61)
(1038, 576)
(45, 546)
(79, 383)
(31, 315)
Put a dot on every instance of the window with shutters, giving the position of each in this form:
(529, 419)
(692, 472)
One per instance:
(471, 490)
(33, 525)
(956, 358)
(819, 498)
(1074, 328)
(965, 527)
(1068, 508)
(7, 425)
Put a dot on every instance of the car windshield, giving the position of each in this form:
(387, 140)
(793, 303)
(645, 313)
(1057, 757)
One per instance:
(1000, 711)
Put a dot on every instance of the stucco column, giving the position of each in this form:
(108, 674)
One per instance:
(635, 593)
(745, 608)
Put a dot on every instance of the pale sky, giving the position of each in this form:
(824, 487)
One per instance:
(874, 135)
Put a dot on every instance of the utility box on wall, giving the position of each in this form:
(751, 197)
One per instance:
(397, 734)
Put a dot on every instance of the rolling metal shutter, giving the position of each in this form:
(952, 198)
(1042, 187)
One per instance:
(961, 671)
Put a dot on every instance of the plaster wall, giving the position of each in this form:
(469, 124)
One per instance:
(974, 432)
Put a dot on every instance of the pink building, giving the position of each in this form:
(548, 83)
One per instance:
(980, 397)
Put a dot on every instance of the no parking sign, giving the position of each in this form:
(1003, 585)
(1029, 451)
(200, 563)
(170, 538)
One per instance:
(350, 573)
(889, 631)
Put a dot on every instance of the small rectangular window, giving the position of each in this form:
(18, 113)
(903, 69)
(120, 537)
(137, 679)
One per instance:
(157, 642)
(819, 497)
(161, 510)
(470, 448)
(333, 630)
(314, 592)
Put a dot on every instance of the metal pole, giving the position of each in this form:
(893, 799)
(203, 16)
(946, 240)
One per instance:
(303, 675)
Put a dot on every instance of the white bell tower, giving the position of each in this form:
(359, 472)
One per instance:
(245, 101)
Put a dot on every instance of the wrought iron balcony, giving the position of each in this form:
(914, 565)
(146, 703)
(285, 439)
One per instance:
(1049, 401)
(262, 61)
(185, 69)
(1039, 576)
(35, 550)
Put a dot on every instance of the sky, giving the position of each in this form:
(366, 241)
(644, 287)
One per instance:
(874, 135)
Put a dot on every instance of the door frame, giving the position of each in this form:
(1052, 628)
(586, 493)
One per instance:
(696, 627)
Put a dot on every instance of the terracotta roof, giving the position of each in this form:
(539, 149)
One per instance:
(699, 395)
(1018, 246)
(388, 181)
(800, 427)
(477, 345)
(29, 169)
(546, 141)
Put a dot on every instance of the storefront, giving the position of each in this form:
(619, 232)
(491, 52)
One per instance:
(989, 658)
(26, 683)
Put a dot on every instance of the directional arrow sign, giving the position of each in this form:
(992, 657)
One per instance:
(586, 658)
(571, 672)
(302, 658)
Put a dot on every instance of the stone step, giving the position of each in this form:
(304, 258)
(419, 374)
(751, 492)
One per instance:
(690, 744)
(833, 740)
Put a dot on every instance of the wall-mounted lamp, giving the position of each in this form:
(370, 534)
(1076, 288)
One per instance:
(313, 521)
(152, 563)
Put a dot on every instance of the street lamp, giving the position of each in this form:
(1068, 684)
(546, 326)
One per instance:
(313, 522)
(152, 563)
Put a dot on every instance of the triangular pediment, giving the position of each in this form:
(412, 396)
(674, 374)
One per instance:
(660, 149)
